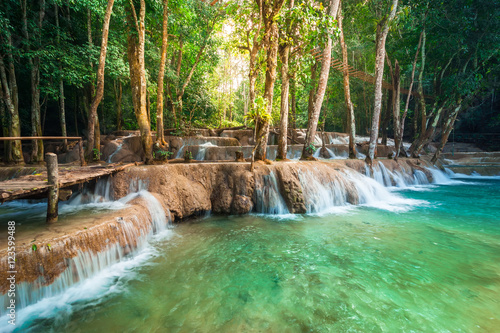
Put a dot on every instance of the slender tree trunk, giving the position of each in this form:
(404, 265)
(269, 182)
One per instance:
(396, 79)
(415, 122)
(118, 96)
(136, 43)
(4, 117)
(351, 121)
(10, 97)
(386, 116)
(76, 106)
(323, 80)
(160, 134)
(422, 140)
(93, 121)
(382, 31)
(447, 128)
(312, 91)
(421, 98)
(402, 128)
(34, 63)
(62, 110)
(293, 103)
(285, 86)
(272, 59)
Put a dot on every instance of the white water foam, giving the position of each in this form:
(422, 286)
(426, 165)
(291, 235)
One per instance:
(268, 197)
(200, 156)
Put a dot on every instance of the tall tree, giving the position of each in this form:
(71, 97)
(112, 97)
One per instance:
(100, 83)
(270, 11)
(34, 63)
(382, 31)
(9, 93)
(351, 121)
(136, 42)
(160, 134)
(407, 105)
(323, 80)
(62, 111)
(284, 53)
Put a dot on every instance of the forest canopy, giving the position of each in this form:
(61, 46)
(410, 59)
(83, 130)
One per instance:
(380, 68)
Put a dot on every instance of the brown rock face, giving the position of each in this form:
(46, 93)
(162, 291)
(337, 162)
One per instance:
(241, 205)
(291, 189)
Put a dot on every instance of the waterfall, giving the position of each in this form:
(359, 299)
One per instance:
(326, 193)
(388, 178)
(110, 158)
(101, 193)
(420, 177)
(200, 156)
(180, 152)
(440, 177)
(268, 198)
(319, 195)
(293, 155)
(135, 235)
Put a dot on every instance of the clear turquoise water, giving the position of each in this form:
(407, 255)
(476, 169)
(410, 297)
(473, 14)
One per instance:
(434, 267)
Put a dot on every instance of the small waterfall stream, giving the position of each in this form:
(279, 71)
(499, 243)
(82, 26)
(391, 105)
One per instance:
(135, 235)
(200, 155)
(268, 197)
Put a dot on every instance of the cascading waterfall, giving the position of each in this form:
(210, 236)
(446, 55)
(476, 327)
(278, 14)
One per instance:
(321, 192)
(268, 198)
(87, 264)
(200, 156)
(320, 196)
(389, 178)
(180, 152)
(101, 193)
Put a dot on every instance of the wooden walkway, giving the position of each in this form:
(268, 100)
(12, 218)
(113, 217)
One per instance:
(36, 184)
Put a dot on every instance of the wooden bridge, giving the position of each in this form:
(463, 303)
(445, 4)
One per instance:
(36, 185)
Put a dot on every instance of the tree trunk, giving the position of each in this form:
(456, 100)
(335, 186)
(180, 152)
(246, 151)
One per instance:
(136, 42)
(382, 31)
(351, 121)
(285, 85)
(447, 128)
(100, 86)
(293, 103)
(421, 98)
(312, 91)
(34, 64)
(10, 98)
(386, 116)
(402, 128)
(420, 142)
(323, 80)
(160, 134)
(62, 112)
(118, 96)
(396, 81)
(272, 59)
(4, 117)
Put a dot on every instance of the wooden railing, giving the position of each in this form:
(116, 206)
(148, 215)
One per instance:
(71, 138)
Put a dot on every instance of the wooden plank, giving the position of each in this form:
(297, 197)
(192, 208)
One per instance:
(30, 185)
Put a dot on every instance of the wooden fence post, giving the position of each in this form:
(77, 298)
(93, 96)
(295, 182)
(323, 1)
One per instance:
(80, 147)
(53, 180)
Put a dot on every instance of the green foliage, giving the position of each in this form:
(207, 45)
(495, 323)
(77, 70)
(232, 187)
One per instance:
(259, 112)
(188, 155)
(311, 149)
